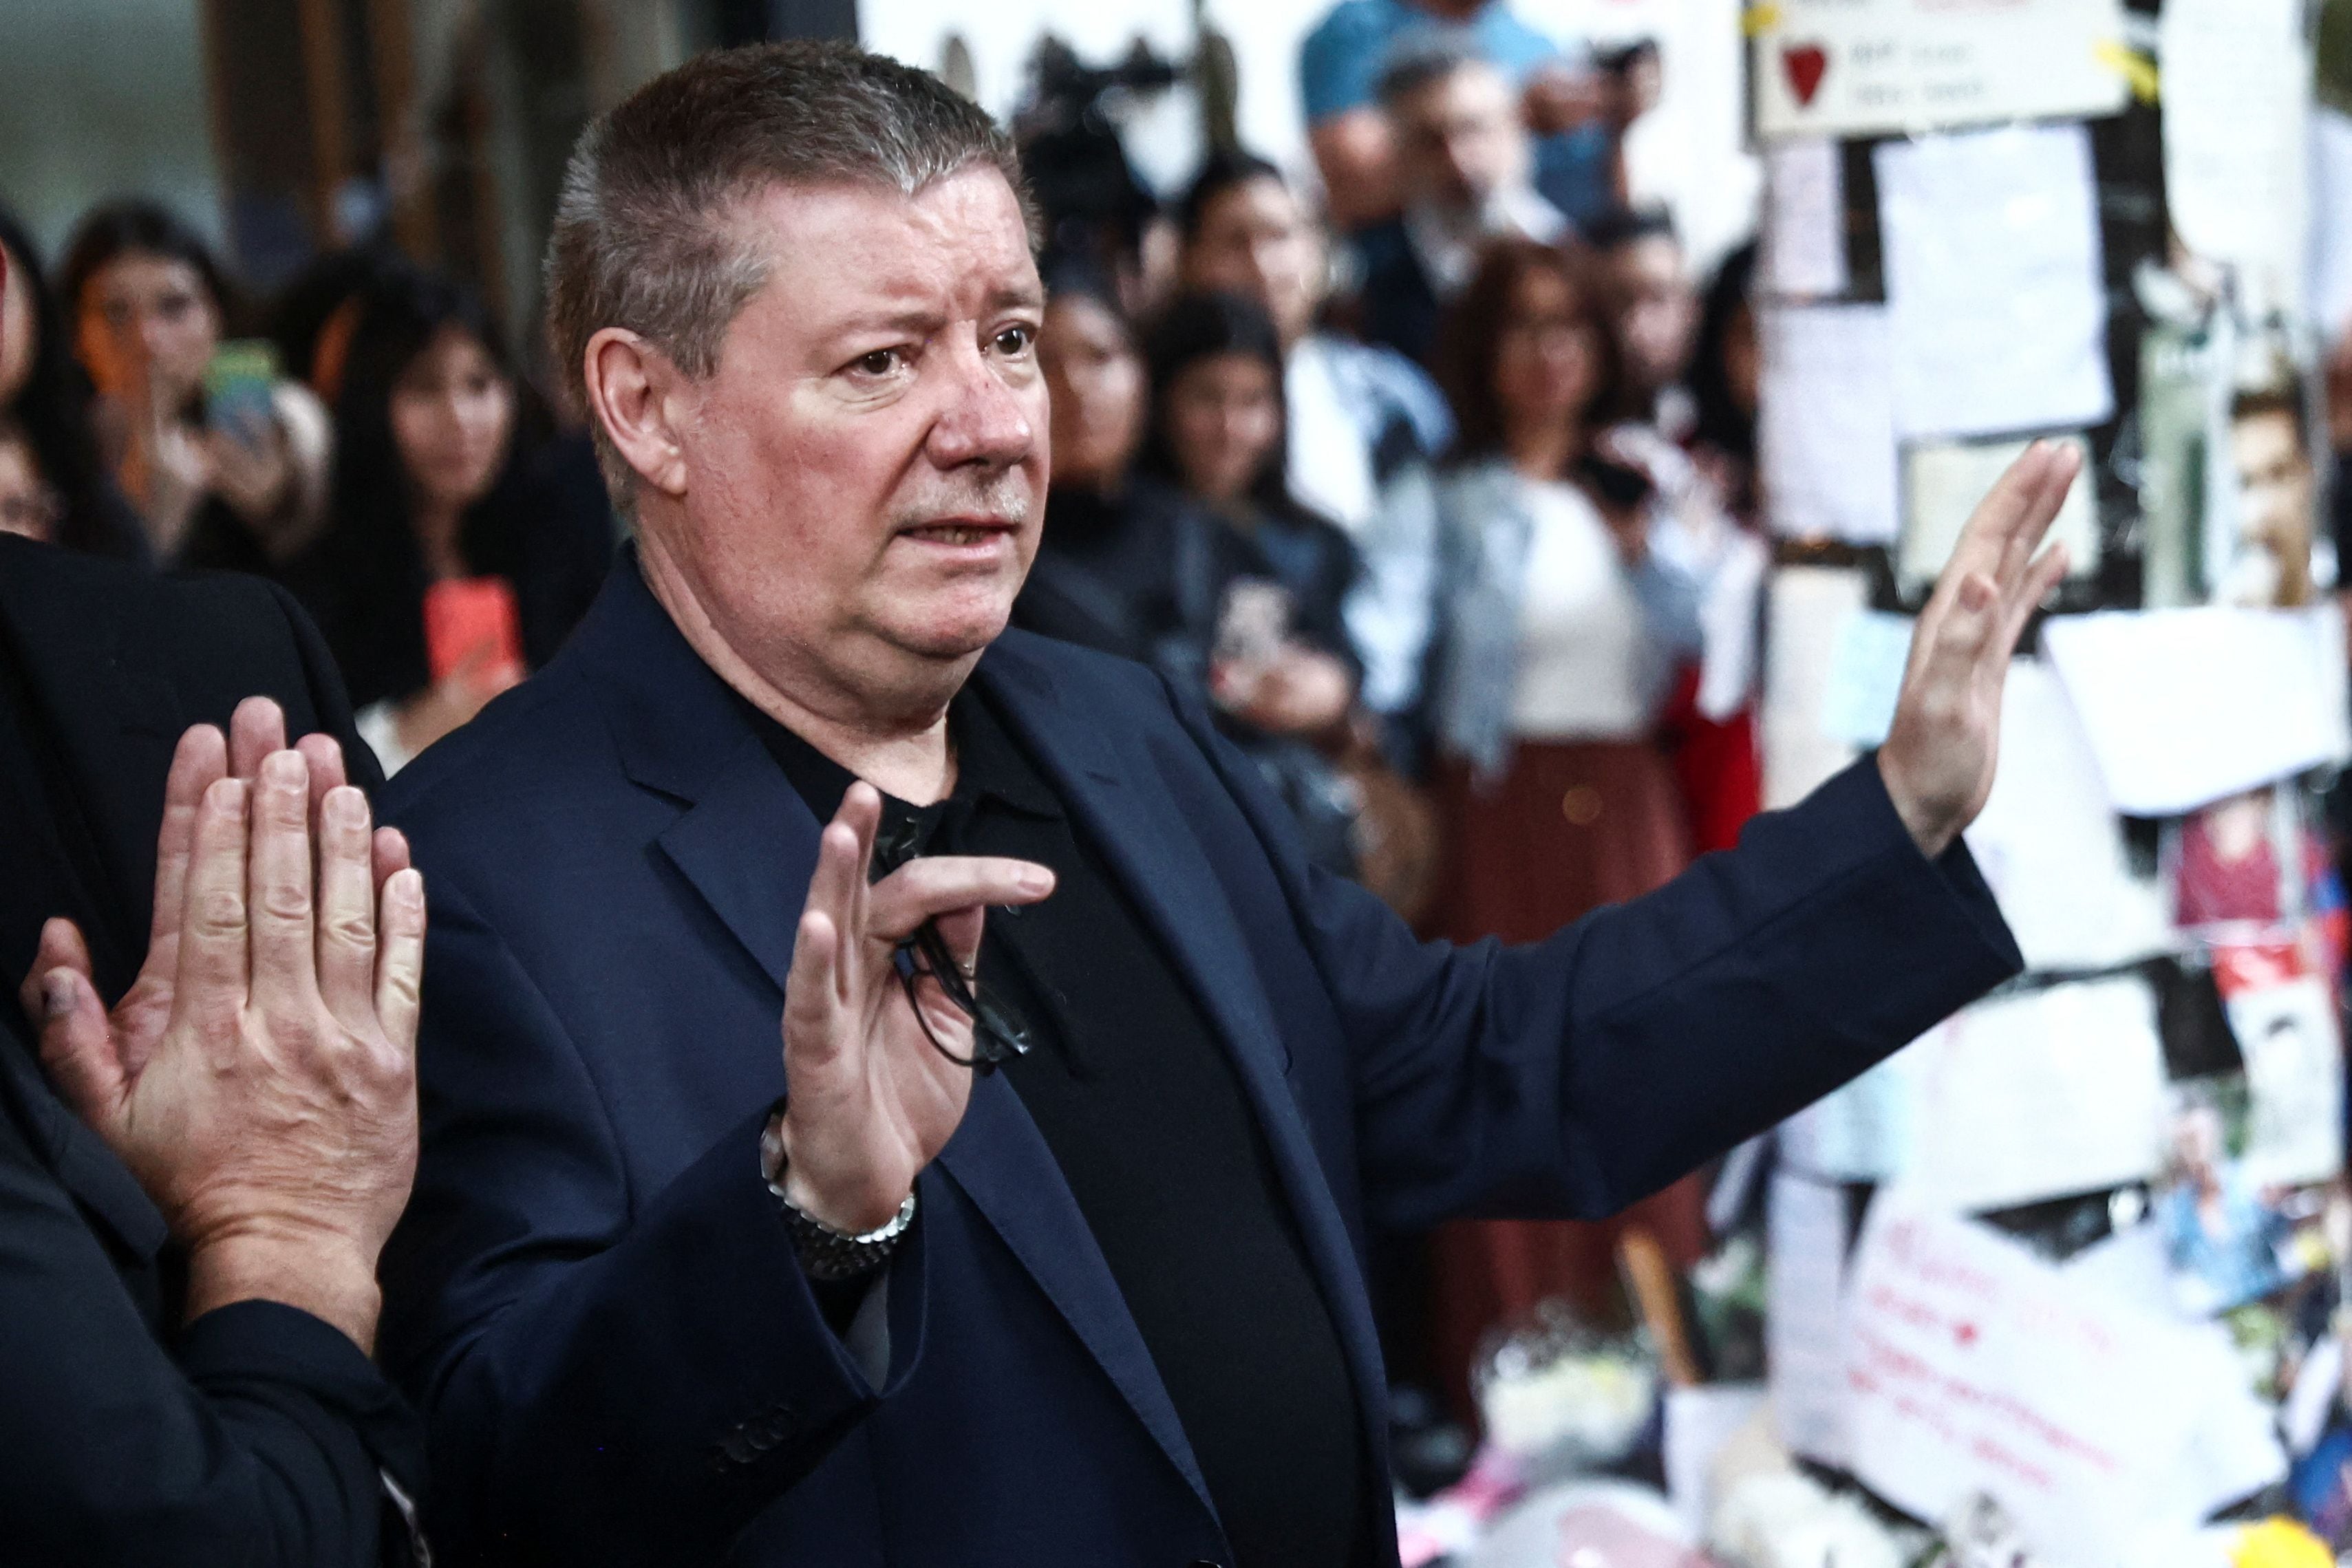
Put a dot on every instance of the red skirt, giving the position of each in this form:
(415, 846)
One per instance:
(1569, 827)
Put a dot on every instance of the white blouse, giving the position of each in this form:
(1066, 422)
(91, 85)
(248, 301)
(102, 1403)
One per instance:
(1584, 658)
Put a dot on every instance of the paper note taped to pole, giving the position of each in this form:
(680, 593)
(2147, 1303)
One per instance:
(1870, 68)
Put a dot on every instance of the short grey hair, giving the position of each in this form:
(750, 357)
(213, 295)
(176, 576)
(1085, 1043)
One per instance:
(645, 237)
(1426, 59)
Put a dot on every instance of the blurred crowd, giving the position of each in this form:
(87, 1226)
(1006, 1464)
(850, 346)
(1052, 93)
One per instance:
(1436, 484)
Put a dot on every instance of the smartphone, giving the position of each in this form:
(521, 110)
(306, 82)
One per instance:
(1616, 483)
(472, 620)
(239, 384)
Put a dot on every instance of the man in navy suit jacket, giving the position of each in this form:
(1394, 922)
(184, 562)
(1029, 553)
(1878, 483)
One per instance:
(669, 1296)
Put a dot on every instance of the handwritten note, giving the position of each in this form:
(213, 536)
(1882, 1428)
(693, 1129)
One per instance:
(1997, 311)
(2184, 706)
(2236, 85)
(1973, 1366)
(2295, 1076)
(2039, 1095)
(1824, 432)
(1804, 251)
(1867, 68)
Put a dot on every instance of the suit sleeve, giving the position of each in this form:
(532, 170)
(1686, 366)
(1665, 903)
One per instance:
(610, 1376)
(255, 1441)
(1572, 1076)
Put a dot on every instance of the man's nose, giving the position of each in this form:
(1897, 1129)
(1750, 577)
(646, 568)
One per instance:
(984, 422)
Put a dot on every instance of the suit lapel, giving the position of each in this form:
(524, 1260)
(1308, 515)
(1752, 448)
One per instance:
(748, 843)
(1139, 827)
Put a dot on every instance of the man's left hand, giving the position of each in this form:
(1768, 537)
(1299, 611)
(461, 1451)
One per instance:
(1938, 758)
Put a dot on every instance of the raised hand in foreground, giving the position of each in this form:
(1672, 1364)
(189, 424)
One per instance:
(259, 1077)
(1940, 751)
(872, 1101)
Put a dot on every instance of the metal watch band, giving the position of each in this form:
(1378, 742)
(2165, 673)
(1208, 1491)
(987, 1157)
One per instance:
(824, 1252)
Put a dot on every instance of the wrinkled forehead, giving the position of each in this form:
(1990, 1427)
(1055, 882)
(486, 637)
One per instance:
(961, 241)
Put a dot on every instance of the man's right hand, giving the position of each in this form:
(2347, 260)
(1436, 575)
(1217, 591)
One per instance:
(259, 1078)
(872, 1101)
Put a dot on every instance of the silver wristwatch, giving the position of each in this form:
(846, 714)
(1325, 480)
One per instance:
(825, 1253)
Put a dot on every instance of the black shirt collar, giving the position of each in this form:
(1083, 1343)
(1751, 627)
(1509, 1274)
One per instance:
(991, 772)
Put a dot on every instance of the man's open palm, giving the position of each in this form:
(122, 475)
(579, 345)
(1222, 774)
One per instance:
(1940, 751)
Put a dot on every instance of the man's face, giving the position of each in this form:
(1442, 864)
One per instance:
(1255, 241)
(1657, 310)
(1460, 139)
(863, 470)
(2272, 480)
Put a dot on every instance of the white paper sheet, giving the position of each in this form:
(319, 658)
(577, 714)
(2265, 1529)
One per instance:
(1997, 311)
(1973, 1366)
(1861, 68)
(2294, 1077)
(1865, 676)
(1699, 1422)
(1943, 481)
(1803, 238)
(2184, 706)
(1805, 607)
(1861, 1132)
(2237, 80)
(2049, 844)
(1806, 1238)
(1825, 431)
(2039, 1095)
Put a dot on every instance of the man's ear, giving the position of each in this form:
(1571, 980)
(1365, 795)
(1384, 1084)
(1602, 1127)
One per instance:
(634, 392)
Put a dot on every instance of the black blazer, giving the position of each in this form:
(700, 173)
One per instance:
(258, 1434)
(596, 1300)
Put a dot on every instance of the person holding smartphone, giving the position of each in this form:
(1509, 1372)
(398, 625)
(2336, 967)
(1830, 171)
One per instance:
(225, 460)
(1560, 631)
(454, 564)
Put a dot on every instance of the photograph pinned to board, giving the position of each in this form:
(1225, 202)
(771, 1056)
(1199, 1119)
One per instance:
(1873, 67)
(1996, 295)
(2230, 1239)
(1943, 481)
(2293, 1051)
(2236, 113)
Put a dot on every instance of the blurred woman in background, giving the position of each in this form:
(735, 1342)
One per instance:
(1261, 581)
(1561, 630)
(226, 482)
(447, 571)
(52, 483)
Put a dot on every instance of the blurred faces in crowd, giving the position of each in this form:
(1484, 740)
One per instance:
(27, 505)
(1254, 239)
(1548, 357)
(1459, 137)
(1097, 382)
(146, 325)
(1653, 300)
(2275, 492)
(453, 413)
(1223, 422)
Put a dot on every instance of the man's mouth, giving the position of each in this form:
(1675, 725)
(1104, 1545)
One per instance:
(961, 531)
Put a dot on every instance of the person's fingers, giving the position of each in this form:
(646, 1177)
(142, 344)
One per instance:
(213, 960)
(861, 812)
(2041, 506)
(939, 885)
(400, 958)
(281, 909)
(1949, 650)
(79, 1050)
(833, 893)
(324, 753)
(347, 900)
(1998, 517)
(60, 947)
(390, 847)
(257, 729)
(2046, 572)
(813, 1037)
(200, 759)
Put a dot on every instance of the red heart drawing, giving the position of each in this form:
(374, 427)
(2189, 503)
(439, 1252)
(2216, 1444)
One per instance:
(1806, 65)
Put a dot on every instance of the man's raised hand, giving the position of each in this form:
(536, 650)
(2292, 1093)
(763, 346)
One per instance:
(871, 1100)
(259, 1079)
(1940, 751)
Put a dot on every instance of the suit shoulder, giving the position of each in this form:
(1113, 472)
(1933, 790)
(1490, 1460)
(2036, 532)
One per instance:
(1081, 672)
(541, 738)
